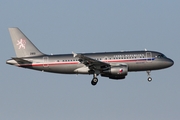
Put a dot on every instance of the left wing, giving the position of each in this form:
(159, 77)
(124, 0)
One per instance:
(92, 63)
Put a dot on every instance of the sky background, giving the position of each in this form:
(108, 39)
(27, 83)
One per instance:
(90, 26)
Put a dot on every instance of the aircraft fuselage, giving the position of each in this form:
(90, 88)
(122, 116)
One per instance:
(67, 64)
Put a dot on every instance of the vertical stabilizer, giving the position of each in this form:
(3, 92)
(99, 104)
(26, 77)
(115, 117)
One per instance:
(22, 45)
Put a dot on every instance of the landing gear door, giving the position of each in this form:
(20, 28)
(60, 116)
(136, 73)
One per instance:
(45, 61)
(148, 56)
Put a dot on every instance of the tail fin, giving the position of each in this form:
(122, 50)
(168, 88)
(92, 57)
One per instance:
(22, 45)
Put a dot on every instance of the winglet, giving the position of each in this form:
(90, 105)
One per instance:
(77, 55)
(74, 54)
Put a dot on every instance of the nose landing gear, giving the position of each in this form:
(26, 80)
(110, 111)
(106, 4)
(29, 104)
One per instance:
(149, 78)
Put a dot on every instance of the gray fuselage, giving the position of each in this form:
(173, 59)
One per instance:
(67, 64)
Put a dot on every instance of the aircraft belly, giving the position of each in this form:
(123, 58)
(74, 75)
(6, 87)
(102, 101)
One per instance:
(66, 69)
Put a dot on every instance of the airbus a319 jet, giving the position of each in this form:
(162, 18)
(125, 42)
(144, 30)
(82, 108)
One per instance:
(114, 65)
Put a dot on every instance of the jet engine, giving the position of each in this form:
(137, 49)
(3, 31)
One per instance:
(116, 72)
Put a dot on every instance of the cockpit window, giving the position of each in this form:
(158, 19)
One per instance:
(161, 56)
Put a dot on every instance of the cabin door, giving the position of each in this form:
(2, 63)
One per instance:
(149, 57)
(45, 61)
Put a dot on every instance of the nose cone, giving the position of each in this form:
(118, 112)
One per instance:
(169, 63)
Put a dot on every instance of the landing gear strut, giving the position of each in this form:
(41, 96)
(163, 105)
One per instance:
(149, 78)
(94, 80)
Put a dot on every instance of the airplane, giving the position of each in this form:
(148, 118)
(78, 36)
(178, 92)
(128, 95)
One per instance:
(114, 65)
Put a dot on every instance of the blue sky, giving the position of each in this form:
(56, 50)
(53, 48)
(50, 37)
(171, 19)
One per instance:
(91, 26)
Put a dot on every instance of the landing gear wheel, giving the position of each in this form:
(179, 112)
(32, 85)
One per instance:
(94, 81)
(149, 79)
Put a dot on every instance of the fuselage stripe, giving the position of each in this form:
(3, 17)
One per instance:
(70, 63)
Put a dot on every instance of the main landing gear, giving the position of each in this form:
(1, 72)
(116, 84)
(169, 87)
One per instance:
(149, 78)
(94, 80)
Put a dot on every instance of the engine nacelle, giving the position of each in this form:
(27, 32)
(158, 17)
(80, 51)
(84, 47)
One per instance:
(116, 72)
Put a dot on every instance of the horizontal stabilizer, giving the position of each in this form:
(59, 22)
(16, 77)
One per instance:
(21, 61)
